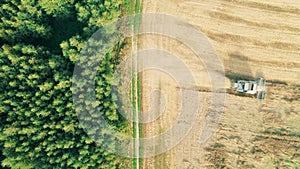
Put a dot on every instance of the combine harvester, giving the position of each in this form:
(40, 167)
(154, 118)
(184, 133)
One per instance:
(257, 87)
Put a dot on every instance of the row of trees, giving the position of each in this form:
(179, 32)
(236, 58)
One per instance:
(40, 42)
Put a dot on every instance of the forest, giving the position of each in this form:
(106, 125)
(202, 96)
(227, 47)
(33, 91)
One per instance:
(40, 43)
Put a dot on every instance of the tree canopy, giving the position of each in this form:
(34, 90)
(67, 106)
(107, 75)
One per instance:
(40, 42)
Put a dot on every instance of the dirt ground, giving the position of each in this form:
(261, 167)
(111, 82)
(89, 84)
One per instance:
(252, 38)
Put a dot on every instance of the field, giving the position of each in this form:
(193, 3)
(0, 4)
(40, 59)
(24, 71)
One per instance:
(252, 38)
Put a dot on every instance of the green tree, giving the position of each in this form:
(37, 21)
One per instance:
(21, 21)
(57, 8)
(39, 126)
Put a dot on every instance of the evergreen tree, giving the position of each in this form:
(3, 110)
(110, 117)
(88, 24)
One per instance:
(39, 126)
(22, 21)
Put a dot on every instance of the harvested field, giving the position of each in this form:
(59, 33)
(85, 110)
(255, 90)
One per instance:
(265, 32)
(252, 38)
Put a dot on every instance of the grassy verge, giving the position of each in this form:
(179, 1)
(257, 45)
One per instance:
(134, 124)
(133, 102)
(140, 108)
(134, 7)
